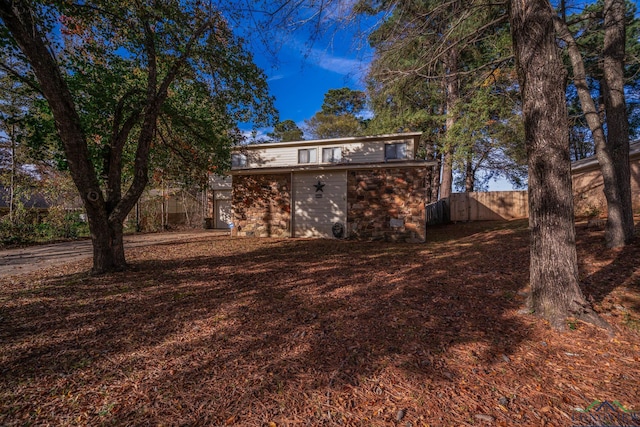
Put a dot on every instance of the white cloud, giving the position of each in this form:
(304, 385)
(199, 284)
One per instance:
(257, 135)
(276, 77)
(336, 64)
(325, 59)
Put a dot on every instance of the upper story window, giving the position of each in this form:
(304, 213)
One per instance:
(238, 160)
(395, 151)
(332, 155)
(307, 155)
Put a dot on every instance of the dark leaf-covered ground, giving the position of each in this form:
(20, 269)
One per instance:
(271, 332)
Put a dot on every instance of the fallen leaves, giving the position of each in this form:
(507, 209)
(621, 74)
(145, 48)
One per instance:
(271, 332)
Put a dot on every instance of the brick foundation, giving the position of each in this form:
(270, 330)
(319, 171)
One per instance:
(387, 204)
(262, 205)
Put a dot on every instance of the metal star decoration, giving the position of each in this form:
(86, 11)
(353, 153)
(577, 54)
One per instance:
(319, 187)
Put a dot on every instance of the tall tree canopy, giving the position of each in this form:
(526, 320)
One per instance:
(443, 68)
(595, 41)
(122, 79)
(553, 270)
(338, 116)
(285, 131)
(446, 41)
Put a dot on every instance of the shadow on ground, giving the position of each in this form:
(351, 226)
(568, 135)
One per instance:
(240, 331)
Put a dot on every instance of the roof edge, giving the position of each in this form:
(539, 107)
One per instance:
(384, 137)
(591, 162)
(343, 166)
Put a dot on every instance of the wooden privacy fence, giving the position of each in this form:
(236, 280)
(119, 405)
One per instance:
(438, 212)
(493, 205)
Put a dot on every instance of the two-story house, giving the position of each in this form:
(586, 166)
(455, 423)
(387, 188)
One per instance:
(358, 187)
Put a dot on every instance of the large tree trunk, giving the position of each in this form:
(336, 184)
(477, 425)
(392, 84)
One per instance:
(446, 182)
(469, 174)
(14, 173)
(103, 224)
(614, 166)
(555, 294)
(435, 182)
(621, 232)
(452, 94)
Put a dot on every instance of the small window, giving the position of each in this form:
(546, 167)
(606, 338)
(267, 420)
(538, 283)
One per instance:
(307, 155)
(396, 151)
(238, 160)
(332, 155)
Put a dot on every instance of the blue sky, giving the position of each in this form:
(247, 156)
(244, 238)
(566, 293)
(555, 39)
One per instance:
(300, 72)
(299, 83)
(300, 75)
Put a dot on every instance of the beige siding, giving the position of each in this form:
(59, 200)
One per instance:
(372, 152)
(363, 153)
(588, 190)
(352, 152)
(316, 211)
(272, 157)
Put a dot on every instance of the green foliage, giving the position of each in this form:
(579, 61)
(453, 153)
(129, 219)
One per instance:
(324, 126)
(587, 27)
(63, 218)
(121, 62)
(415, 62)
(56, 225)
(338, 116)
(286, 131)
(343, 101)
(488, 136)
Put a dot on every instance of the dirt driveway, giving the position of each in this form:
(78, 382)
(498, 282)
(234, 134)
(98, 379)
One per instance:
(32, 258)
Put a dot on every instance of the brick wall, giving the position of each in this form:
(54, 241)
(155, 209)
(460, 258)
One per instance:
(387, 204)
(262, 205)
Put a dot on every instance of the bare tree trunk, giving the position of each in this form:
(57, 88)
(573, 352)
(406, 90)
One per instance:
(435, 182)
(621, 232)
(469, 174)
(555, 294)
(12, 184)
(433, 174)
(186, 208)
(18, 19)
(446, 183)
(614, 165)
(163, 208)
(452, 95)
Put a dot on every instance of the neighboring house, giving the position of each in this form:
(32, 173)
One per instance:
(588, 187)
(359, 187)
(35, 203)
(220, 201)
(169, 207)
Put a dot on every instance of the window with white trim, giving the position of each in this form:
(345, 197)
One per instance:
(395, 151)
(332, 155)
(307, 155)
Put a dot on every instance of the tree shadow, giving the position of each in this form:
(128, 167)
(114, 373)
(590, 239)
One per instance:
(620, 270)
(261, 322)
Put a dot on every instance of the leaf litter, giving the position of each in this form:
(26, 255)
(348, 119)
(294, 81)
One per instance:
(297, 332)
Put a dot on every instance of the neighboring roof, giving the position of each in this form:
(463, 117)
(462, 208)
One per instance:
(331, 141)
(36, 201)
(592, 162)
(336, 166)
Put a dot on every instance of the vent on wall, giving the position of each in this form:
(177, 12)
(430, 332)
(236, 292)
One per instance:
(338, 230)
